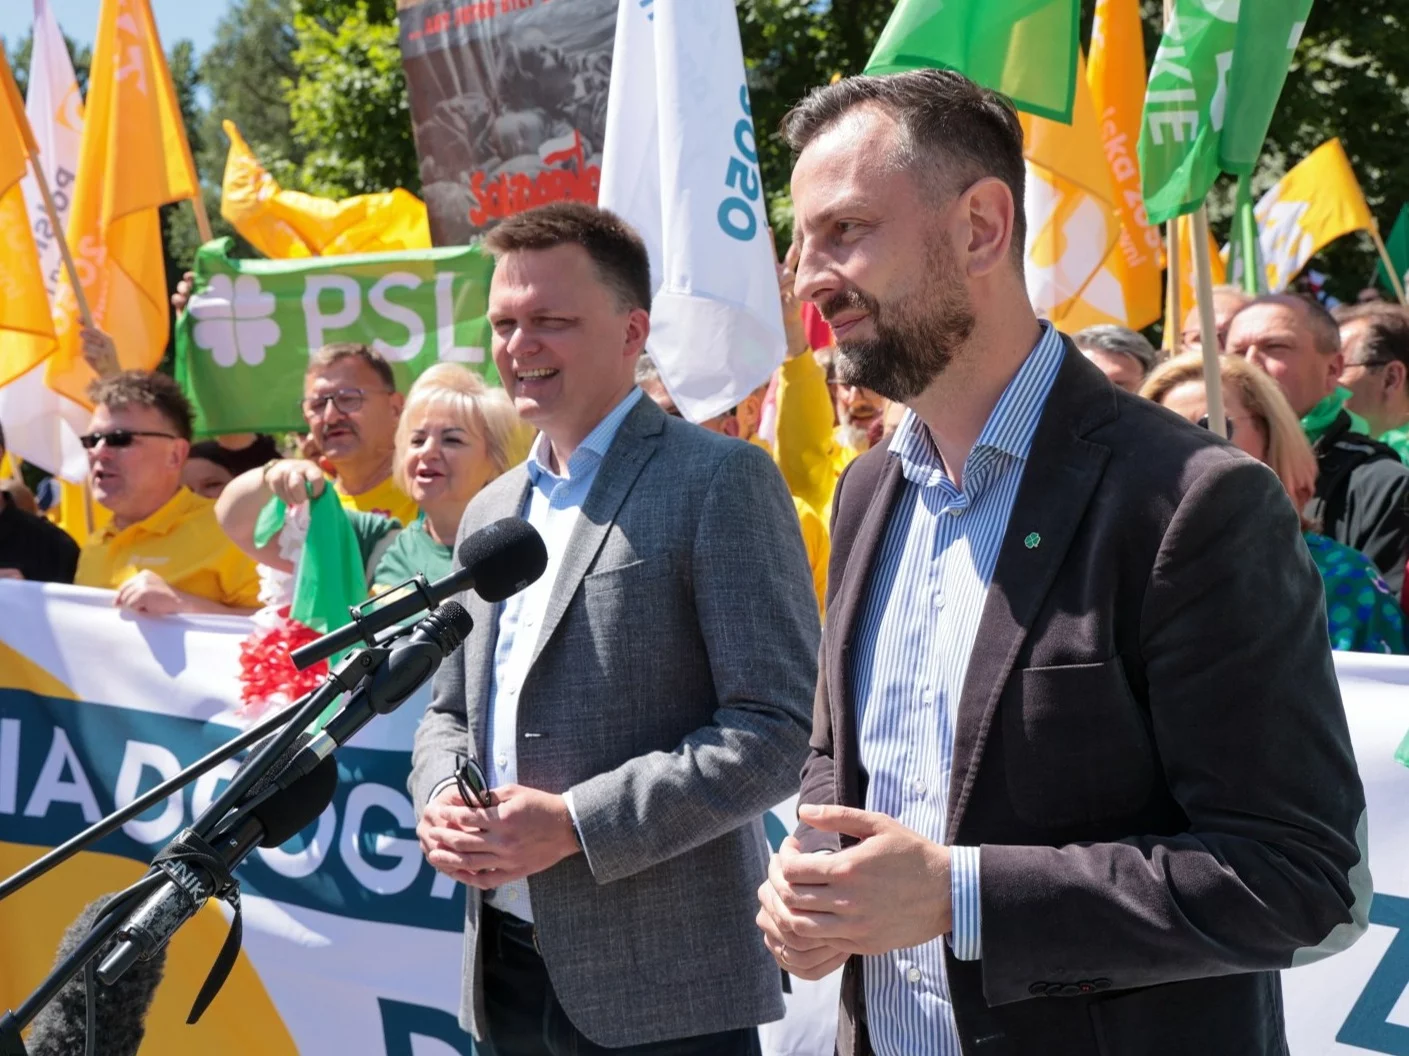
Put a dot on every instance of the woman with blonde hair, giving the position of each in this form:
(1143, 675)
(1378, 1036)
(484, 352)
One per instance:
(1362, 614)
(455, 434)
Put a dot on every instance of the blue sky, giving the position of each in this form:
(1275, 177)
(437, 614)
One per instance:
(193, 20)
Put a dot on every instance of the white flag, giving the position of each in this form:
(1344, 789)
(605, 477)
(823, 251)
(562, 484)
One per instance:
(680, 164)
(41, 426)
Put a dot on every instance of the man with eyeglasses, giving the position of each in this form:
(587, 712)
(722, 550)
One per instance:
(1362, 492)
(351, 405)
(163, 551)
(1375, 340)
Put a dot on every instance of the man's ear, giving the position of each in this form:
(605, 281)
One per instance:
(990, 212)
(1396, 376)
(398, 402)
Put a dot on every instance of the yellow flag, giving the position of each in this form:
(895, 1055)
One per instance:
(1316, 203)
(26, 327)
(134, 158)
(284, 224)
(1071, 216)
(1116, 76)
(1187, 286)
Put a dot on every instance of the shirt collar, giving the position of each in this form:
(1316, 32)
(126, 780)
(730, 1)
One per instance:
(593, 448)
(170, 515)
(1009, 429)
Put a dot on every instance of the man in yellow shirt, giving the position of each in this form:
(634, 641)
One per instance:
(351, 405)
(163, 551)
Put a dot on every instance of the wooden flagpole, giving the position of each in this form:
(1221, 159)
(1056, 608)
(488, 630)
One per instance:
(1208, 327)
(53, 213)
(1175, 310)
(1395, 280)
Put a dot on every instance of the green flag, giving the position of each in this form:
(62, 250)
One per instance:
(1025, 49)
(1213, 87)
(244, 340)
(1398, 245)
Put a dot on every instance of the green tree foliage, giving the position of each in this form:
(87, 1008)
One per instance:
(348, 102)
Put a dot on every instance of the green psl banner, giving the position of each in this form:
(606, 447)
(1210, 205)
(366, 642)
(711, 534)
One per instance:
(246, 335)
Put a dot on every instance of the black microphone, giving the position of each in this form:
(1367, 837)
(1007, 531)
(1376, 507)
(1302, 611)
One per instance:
(120, 1011)
(495, 562)
(263, 823)
(410, 663)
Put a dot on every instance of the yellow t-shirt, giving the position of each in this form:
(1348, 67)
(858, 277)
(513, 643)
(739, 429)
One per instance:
(182, 543)
(386, 498)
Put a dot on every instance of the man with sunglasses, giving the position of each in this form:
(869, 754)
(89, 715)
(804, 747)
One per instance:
(163, 551)
(1375, 340)
(351, 406)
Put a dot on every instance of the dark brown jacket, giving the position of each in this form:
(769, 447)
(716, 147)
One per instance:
(1151, 748)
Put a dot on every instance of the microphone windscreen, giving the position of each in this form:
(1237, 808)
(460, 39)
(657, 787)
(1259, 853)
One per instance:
(503, 558)
(121, 1009)
(288, 811)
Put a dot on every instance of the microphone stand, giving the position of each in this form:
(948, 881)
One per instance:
(346, 678)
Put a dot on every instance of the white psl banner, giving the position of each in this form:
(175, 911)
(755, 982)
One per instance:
(352, 943)
(40, 425)
(680, 163)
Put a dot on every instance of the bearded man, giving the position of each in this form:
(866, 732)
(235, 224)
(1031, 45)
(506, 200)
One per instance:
(1080, 778)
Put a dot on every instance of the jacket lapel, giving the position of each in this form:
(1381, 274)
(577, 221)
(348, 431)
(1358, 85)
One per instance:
(1062, 472)
(478, 649)
(849, 597)
(633, 447)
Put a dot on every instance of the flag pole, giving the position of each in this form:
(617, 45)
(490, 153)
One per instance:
(1171, 241)
(52, 212)
(1176, 310)
(1394, 277)
(202, 219)
(1208, 328)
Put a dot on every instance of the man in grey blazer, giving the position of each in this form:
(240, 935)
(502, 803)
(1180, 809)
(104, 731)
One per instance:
(637, 709)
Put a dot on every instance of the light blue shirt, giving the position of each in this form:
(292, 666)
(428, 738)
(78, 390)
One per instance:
(553, 507)
(911, 650)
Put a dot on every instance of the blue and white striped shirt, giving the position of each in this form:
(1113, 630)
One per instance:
(910, 654)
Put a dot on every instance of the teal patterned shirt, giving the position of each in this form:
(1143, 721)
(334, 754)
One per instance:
(1362, 614)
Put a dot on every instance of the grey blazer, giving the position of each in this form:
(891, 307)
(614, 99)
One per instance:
(670, 691)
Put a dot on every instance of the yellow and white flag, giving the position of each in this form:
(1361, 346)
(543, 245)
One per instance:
(1116, 75)
(41, 426)
(287, 224)
(26, 328)
(134, 159)
(1071, 216)
(1313, 205)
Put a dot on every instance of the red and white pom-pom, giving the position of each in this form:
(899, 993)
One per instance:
(268, 678)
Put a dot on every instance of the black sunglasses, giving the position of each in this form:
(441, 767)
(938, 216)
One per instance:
(1227, 422)
(473, 785)
(119, 438)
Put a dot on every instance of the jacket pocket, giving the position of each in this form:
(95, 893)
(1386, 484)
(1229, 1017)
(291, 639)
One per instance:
(1076, 748)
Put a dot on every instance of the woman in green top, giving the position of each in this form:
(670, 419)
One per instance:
(454, 436)
(1361, 613)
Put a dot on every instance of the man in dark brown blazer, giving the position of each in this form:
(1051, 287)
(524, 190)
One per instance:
(1080, 780)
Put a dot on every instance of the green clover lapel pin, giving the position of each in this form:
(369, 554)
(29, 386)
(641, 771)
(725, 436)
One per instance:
(1033, 541)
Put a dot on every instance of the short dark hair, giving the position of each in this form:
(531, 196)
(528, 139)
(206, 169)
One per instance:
(1119, 340)
(1386, 330)
(146, 388)
(1325, 331)
(616, 249)
(949, 125)
(340, 350)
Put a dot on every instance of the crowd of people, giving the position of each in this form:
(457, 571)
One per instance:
(178, 515)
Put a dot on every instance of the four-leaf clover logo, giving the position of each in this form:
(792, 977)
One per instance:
(233, 320)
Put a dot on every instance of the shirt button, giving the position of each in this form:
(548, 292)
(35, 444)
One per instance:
(502, 760)
(954, 511)
(920, 787)
(938, 602)
(914, 975)
(928, 698)
(512, 895)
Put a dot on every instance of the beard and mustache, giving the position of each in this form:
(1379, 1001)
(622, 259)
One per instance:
(914, 338)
